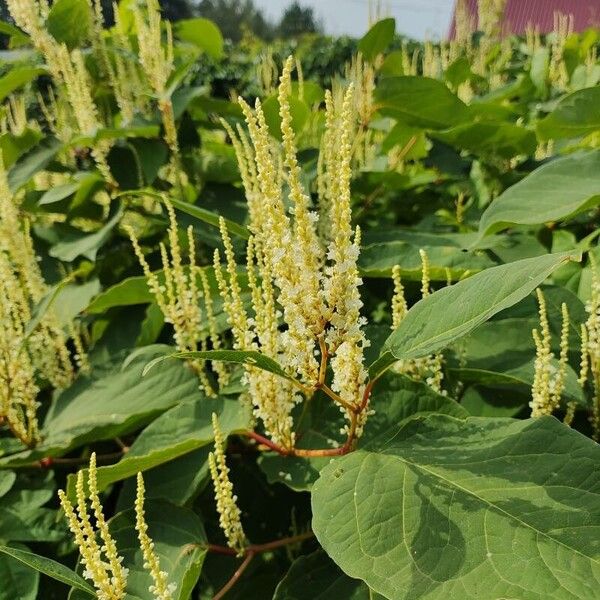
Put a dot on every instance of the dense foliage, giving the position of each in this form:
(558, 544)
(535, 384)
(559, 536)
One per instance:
(325, 326)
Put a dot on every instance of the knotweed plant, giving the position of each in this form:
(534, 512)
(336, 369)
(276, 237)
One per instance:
(549, 375)
(157, 63)
(182, 292)
(590, 348)
(30, 354)
(68, 71)
(302, 273)
(428, 368)
(102, 564)
(229, 513)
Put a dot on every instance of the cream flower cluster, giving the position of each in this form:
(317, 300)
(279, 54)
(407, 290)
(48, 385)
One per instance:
(179, 298)
(549, 378)
(428, 369)
(590, 347)
(103, 565)
(229, 513)
(157, 63)
(99, 556)
(67, 69)
(161, 590)
(301, 263)
(27, 354)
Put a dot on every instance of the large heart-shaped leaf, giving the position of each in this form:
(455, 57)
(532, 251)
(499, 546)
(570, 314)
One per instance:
(482, 508)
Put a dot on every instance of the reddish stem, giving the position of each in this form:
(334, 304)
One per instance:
(234, 578)
(258, 548)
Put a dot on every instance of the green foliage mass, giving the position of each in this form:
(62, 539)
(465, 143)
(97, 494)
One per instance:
(482, 152)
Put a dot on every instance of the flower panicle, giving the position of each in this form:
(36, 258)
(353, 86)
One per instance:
(101, 561)
(302, 277)
(160, 589)
(428, 369)
(549, 378)
(179, 296)
(229, 512)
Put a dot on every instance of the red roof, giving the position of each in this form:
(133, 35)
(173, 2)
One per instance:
(519, 14)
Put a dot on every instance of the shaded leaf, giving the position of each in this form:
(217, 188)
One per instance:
(180, 430)
(85, 244)
(49, 567)
(555, 191)
(452, 312)
(325, 580)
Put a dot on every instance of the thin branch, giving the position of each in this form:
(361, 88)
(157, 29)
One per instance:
(250, 552)
(338, 399)
(266, 547)
(234, 578)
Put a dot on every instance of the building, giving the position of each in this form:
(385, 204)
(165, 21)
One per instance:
(519, 14)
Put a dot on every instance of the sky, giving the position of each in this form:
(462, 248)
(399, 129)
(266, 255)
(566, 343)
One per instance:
(419, 19)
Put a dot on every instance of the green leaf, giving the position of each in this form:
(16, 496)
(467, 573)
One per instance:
(24, 517)
(377, 39)
(378, 259)
(14, 146)
(298, 109)
(497, 139)
(35, 160)
(420, 101)
(86, 244)
(69, 22)
(129, 291)
(17, 37)
(18, 581)
(325, 580)
(58, 193)
(202, 33)
(49, 567)
(575, 115)
(198, 212)
(178, 431)
(242, 357)
(7, 479)
(210, 217)
(178, 481)
(555, 191)
(16, 78)
(482, 508)
(450, 313)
